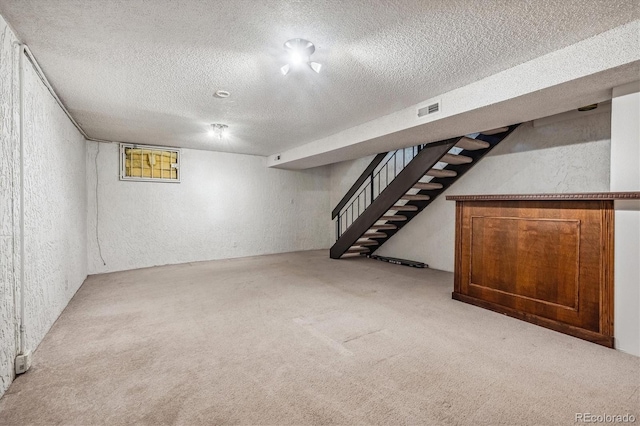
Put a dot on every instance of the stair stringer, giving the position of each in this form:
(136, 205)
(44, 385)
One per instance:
(409, 176)
(493, 140)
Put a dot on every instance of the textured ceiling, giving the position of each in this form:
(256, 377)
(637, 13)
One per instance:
(145, 71)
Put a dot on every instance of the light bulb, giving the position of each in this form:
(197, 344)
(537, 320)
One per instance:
(296, 58)
(315, 66)
(299, 51)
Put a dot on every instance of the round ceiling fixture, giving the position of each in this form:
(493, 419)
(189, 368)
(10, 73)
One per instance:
(222, 94)
(300, 51)
(218, 130)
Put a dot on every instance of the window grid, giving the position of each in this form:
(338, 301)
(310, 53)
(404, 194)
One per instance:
(149, 163)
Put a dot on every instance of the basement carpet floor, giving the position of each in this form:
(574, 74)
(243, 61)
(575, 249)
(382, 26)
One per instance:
(301, 339)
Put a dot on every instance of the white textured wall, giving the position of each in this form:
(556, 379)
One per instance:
(8, 210)
(625, 176)
(227, 205)
(55, 208)
(567, 156)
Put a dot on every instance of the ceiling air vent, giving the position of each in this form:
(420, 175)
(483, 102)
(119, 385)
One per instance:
(429, 109)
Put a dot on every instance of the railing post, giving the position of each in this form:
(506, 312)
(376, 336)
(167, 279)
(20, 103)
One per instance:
(371, 179)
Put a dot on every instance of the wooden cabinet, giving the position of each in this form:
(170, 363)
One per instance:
(547, 259)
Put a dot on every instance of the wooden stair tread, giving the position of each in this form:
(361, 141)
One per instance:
(472, 144)
(357, 249)
(495, 131)
(394, 217)
(428, 185)
(374, 235)
(366, 242)
(404, 208)
(416, 197)
(383, 226)
(456, 159)
(441, 173)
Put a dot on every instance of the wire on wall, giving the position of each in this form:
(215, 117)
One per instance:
(17, 208)
(98, 206)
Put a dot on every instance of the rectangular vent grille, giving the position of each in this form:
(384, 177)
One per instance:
(430, 109)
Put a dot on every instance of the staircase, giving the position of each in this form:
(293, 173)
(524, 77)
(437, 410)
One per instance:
(397, 185)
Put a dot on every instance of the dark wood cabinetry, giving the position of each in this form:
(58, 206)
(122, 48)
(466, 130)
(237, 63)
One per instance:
(547, 259)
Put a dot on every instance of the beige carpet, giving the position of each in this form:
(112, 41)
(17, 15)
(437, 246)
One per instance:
(301, 339)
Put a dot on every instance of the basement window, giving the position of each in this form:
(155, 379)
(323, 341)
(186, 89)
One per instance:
(149, 163)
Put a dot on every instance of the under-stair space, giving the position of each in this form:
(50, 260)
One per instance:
(398, 185)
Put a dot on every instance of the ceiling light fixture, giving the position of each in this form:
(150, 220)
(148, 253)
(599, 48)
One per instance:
(218, 130)
(300, 51)
(222, 94)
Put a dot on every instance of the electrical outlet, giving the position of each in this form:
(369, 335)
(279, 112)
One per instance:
(23, 362)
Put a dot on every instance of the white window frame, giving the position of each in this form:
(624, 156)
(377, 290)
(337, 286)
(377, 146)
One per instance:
(123, 158)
